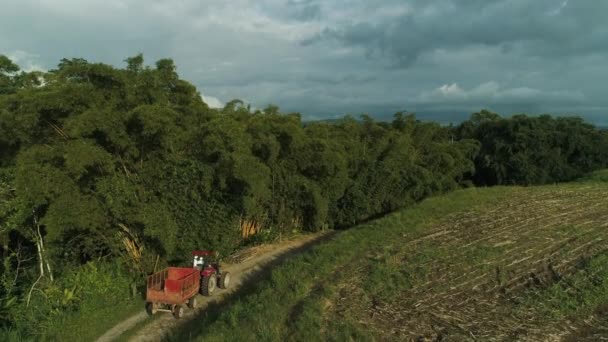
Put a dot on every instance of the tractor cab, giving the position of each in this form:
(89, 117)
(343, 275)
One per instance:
(201, 259)
(211, 275)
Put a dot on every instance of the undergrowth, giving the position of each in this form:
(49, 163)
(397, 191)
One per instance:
(79, 306)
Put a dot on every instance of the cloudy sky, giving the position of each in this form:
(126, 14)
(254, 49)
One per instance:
(442, 59)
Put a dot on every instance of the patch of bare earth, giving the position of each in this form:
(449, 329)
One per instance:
(470, 269)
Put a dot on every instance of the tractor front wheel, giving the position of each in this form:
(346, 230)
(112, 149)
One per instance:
(208, 285)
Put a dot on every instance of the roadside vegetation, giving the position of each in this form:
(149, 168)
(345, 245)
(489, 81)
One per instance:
(107, 174)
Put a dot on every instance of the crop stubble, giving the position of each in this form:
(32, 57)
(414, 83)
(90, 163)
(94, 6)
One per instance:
(469, 266)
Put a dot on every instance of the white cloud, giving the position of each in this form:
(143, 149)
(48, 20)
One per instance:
(492, 93)
(558, 10)
(26, 61)
(212, 101)
(449, 90)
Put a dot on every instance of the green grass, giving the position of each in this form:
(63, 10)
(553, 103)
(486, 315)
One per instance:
(379, 262)
(79, 306)
(579, 295)
(597, 176)
(91, 323)
(102, 298)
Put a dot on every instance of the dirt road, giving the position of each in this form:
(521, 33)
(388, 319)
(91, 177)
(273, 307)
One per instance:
(246, 267)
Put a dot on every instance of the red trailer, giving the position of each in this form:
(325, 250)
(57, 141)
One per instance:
(171, 288)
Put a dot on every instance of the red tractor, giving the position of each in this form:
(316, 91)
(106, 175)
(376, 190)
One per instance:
(172, 288)
(211, 274)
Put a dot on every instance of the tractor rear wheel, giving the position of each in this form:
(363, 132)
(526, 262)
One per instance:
(192, 302)
(178, 311)
(208, 285)
(225, 280)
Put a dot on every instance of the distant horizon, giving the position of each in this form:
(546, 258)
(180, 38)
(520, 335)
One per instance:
(458, 117)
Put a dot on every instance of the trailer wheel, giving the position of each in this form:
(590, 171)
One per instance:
(225, 280)
(150, 308)
(178, 311)
(208, 285)
(192, 302)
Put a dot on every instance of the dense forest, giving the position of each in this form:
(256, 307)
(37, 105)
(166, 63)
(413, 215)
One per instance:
(107, 174)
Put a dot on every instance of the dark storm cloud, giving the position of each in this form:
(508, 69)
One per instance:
(441, 59)
(547, 28)
(304, 10)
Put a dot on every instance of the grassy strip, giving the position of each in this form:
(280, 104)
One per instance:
(88, 325)
(575, 296)
(597, 176)
(263, 315)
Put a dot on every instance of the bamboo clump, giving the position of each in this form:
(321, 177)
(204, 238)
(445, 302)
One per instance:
(249, 228)
(131, 244)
